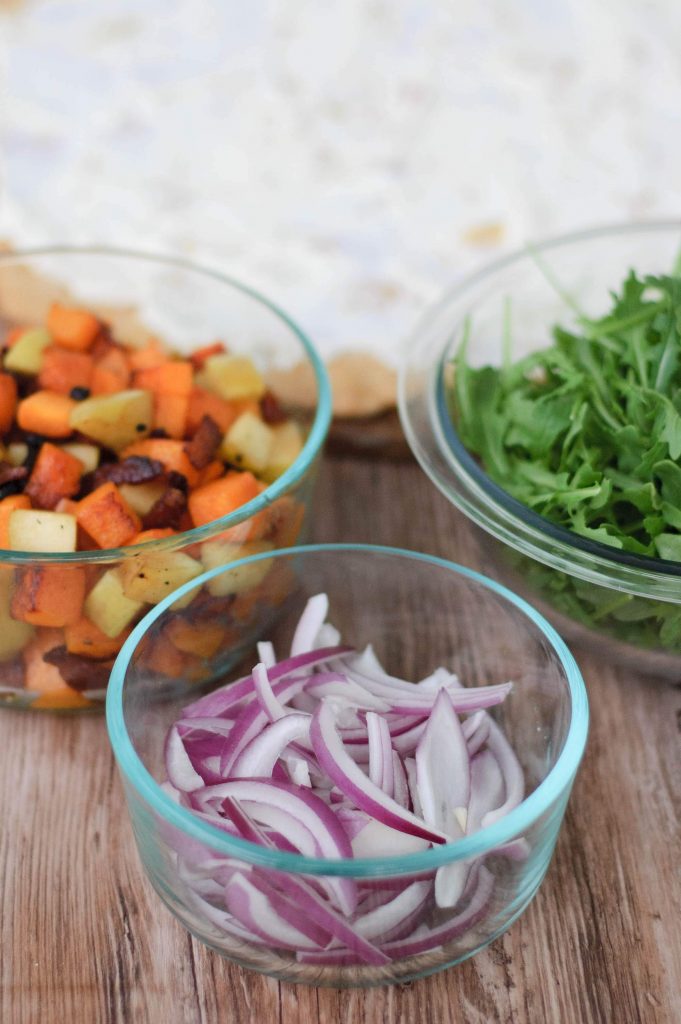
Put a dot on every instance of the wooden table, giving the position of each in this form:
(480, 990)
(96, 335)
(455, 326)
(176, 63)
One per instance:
(84, 938)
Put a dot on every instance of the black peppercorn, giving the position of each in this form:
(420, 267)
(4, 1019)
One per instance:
(79, 394)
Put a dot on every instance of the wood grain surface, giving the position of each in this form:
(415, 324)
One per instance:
(84, 939)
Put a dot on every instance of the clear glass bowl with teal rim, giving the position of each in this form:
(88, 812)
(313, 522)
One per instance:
(419, 612)
(185, 306)
(624, 607)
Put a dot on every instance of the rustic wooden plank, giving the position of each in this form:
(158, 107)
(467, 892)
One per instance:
(84, 939)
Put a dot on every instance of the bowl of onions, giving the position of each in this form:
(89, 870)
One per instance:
(374, 793)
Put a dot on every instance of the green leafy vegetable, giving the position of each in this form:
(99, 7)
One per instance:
(587, 432)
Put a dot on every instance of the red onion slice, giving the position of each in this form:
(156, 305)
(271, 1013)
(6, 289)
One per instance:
(252, 721)
(384, 921)
(380, 753)
(261, 755)
(351, 780)
(251, 907)
(220, 702)
(309, 624)
(180, 770)
(511, 770)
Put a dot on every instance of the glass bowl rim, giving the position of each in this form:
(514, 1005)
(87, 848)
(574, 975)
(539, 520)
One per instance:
(557, 781)
(641, 571)
(288, 479)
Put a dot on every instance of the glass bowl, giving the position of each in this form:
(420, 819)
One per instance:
(186, 306)
(419, 612)
(626, 607)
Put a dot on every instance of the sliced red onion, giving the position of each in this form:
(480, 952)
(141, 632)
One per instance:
(266, 653)
(351, 780)
(265, 695)
(510, 769)
(259, 758)
(219, 702)
(353, 821)
(425, 939)
(384, 921)
(309, 624)
(405, 743)
(400, 785)
(181, 773)
(476, 731)
(438, 680)
(334, 684)
(322, 915)
(410, 769)
(378, 840)
(443, 769)
(487, 788)
(381, 770)
(327, 636)
(249, 905)
(298, 771)
(252, 721)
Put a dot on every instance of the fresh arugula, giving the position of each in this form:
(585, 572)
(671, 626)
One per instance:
(587, 432)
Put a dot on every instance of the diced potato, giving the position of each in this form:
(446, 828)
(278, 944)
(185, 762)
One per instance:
(152, 577)
(32, 529)
(142, 497)
(115, 420)
(287, 444)
(26, 354)
(108, 606)
(17, 453)
(13, 635)
(247, 443)
(233, 377)
(88, 454)
(235, 581)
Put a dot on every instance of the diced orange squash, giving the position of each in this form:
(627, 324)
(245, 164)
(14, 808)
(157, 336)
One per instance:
(146, 535)
(205, 403)
(220, 497)
(7, 506)
(84, 638)
(111, 373)
(8, 401)
(171, 453)
(49, 595)
(153, 354)
(55, 475)
(286, 518)
(203, 640)
(72, 328)
(170, 414)
(63, 370)
(46, 412)
(46, 679)
(106, 516)
(174, 377)
(210, 472)
(164, 658)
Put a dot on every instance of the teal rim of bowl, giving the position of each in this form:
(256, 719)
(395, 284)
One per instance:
(295, 472)
(484, 841)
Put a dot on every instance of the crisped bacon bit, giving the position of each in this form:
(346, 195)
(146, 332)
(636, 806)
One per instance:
(167, 511)
(198, 358)
(11, 473)
(204, 444)
(271, 409)
(77, 672)
(136, 469)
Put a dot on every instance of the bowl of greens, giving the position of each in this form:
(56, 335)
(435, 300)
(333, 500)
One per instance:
(543, 397)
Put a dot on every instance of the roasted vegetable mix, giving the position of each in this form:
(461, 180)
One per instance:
(106, 446)
(587, 433)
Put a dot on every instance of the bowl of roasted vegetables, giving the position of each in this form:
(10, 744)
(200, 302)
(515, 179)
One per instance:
(543, 397)
(141, 443)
